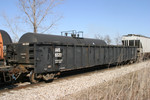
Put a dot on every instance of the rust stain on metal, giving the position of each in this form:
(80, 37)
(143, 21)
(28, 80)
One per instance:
(18, 69)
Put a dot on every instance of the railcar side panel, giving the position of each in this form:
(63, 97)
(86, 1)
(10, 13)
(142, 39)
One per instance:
(102, 55)
(47, 58)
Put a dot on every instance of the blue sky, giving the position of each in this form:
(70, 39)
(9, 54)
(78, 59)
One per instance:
(105, 17)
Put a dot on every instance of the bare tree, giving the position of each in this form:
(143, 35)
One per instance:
(13, 28)
(37, 11)
(98, 36)
(118, 39)
(108, 39)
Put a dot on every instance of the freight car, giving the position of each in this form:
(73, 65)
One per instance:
(141, 42)
(4, 70)
(45, 56)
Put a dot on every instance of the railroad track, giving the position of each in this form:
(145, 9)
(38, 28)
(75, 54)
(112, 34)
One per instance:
(63, 76)
(68, 85)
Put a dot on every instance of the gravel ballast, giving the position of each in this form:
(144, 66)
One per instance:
(57, 90)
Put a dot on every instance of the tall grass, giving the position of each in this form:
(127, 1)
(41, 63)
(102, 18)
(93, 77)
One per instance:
(133, 86)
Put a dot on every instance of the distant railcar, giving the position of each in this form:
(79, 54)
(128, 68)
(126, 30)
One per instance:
(139, 41)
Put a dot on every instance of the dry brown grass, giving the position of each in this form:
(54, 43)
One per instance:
(133, 86)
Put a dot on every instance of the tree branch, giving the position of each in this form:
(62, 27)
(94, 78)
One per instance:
(24, 8)
(9, 25)
(46, 12)
(53, 23)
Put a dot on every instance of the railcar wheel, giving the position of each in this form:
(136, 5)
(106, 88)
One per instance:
(32, 78)
(48, 77)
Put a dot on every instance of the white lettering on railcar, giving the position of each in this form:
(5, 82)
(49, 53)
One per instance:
(23, 57)
(62, 67)
(58, 61)
(22, 54)
(25, 43)
(57, 49)
(58, 54)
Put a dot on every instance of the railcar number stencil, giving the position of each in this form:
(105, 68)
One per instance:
(57, 49)
(58, 55)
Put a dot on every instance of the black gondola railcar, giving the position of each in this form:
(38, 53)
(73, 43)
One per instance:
(45, 55)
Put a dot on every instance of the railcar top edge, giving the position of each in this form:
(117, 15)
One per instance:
(47, 38)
